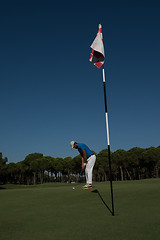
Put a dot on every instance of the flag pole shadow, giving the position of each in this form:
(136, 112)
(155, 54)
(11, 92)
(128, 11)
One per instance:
(96, 191)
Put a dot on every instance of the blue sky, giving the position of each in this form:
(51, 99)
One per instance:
(51, 93)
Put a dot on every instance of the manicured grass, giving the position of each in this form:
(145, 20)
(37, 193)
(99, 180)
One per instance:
(56, 211)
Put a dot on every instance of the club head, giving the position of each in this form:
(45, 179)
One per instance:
(95, 191)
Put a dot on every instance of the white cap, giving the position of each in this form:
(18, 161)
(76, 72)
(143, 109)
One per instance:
(72, 144)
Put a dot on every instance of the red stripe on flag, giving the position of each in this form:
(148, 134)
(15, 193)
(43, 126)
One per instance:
(98, 64)
(91, 56)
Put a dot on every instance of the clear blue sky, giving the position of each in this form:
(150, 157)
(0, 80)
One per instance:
(51, 94)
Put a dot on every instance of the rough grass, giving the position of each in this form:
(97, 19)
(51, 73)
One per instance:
(56, 211)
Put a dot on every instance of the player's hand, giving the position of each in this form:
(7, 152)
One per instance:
(83, 166)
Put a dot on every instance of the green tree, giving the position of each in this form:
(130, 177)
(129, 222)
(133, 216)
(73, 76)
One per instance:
(31, 166)
(77, 168)
(42, 166)
(67, 167)
(119, 158)
(136, 156)
(58, 166)
(50, 167)
(12, 171)
(3, 162)
(151, 157)
(102, 166)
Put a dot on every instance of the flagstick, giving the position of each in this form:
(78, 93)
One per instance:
(107, 128)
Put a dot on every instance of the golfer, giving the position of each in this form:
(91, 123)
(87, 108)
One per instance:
(88, 161)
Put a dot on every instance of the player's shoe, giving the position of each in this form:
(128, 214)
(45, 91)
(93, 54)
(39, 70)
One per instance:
(87, 186)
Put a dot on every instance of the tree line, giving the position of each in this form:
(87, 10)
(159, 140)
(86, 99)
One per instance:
(134, 164)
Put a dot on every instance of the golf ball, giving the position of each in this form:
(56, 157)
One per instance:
(73, 188)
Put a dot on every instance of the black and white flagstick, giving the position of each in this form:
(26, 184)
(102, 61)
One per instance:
(107, 128)
(98, 47)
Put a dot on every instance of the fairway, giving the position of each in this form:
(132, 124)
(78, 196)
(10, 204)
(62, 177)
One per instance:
(56, 211)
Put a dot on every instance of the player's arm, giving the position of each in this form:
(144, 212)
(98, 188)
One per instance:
(84, 158)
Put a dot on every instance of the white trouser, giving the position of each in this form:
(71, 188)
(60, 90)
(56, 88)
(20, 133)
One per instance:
(89, 168)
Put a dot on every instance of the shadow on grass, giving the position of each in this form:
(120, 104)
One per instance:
(96, 191)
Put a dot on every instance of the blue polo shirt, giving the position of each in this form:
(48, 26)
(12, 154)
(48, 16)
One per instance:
(82, 146)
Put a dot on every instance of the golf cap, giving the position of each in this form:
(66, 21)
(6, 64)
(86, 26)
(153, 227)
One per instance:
(72, 144)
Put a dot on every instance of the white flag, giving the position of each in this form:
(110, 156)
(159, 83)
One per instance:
(97, 55)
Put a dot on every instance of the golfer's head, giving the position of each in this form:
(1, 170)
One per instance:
(73, 144)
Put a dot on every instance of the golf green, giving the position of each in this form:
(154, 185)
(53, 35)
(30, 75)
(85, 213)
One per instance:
(57, 211)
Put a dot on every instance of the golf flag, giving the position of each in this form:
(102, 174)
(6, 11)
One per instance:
(97, 57)
(97, 54)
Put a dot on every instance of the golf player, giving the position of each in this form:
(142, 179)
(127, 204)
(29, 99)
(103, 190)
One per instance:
(88, 161)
